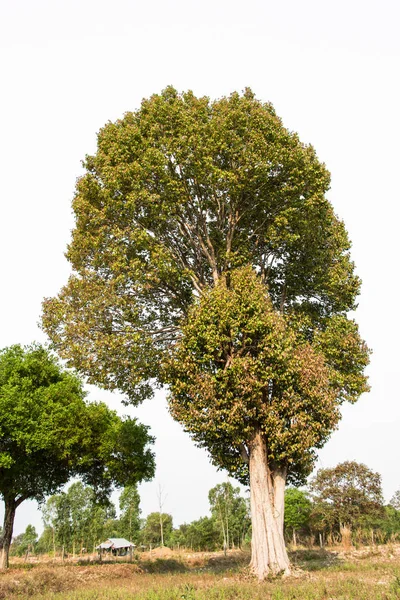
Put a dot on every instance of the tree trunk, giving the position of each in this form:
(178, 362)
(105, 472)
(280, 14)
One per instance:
(221, 516)
(267, 489)
(162, 530)
(8, 526)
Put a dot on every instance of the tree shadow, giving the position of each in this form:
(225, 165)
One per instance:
(163, 565)
(211, 564)
(313, 559)
(220, 564)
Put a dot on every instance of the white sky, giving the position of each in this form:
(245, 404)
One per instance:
(332, 71)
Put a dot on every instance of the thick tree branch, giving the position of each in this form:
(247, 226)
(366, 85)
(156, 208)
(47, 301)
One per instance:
(244, 454)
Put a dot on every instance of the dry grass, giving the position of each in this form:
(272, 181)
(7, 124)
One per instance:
(366, 574)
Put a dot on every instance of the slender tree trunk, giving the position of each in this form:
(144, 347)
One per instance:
(162, 529)
(226, 517)
(267, 488)
(221, 517)
(8, 526)
(222, 521)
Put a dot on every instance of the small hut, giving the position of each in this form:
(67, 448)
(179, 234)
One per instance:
(116, 547)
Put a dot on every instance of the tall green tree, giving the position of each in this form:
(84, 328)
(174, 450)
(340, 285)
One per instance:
(80, 500)
(48, 432)
(298, 509)
(181, 195)
(62, 523)
(129, 504)
(24, 542)
(230, 512)
(47, 541)
(151, 532)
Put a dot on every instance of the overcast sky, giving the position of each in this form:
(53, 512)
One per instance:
(330, 68)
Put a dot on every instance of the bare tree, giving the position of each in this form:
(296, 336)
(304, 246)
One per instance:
(161, 501)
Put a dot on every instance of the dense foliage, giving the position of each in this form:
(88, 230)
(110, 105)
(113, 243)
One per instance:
(298, 509)
(50, 433)
(348, 494)
(240, 365)
(25, 543)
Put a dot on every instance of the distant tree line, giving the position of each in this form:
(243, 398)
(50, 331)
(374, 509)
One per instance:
(341, 505)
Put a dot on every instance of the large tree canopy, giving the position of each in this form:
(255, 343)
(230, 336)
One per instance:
(179, 192)
(48, 433)
(207, 257)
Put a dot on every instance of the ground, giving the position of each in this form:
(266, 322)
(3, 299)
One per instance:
(365, 574)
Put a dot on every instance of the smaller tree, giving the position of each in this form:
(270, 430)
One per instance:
(230, 513)
(50, 433)
(80, 499)
(390, 522)
(347, 496)
(161, 501)
(151, 533)
(129, 521)
(63, 525)
(47, 540)
(297, 511)
(25, 542)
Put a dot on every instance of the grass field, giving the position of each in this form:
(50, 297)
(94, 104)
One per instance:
(368, 574)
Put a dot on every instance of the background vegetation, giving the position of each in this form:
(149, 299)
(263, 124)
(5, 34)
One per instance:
(343, 505)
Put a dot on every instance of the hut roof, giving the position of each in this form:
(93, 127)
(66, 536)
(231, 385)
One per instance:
(116, 543)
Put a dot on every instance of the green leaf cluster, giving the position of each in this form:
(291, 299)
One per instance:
(298, 508)
(240, 366)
